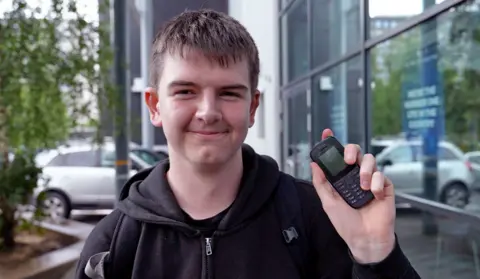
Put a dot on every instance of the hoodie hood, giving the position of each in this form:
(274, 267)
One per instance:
(147, 196)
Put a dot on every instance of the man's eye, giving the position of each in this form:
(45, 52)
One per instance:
(184, 92)
(230, 94)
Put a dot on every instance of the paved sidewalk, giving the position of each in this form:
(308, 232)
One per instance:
(436, 258)
(70, 274)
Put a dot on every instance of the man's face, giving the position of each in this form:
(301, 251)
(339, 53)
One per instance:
(205, 110)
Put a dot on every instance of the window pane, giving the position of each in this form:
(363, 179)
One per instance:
(336, 98)
(80, 159)
(335, 29)
(401, 154)
(387, 14)
(284, 3)
(149, 157)
(298, 136)
(425, 87)
(108, 158)
(57, 161)
(295, 42)
(475, 159)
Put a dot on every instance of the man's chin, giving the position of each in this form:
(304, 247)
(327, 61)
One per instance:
(210, 155)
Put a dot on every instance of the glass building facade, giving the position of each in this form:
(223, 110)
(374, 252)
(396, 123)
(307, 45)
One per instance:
(401, 78)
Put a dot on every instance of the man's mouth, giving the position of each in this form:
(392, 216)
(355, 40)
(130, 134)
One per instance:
(209, 134)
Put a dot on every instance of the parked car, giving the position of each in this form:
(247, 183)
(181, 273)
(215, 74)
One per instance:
(80, 176)
(161, 150)
(474, 158)
(377, 145)
(402, 162)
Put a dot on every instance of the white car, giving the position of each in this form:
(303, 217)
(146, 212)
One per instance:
(82, 176)
(402, 162)
(474, 158)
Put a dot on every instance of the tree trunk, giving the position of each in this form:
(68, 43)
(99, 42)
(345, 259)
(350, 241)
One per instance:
(3, 132)
(7, 223)
(7, 228)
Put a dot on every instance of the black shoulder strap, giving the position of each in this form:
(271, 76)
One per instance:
(291, 221)
(123, 248)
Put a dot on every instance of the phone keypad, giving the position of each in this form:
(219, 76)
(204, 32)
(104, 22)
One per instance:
(349, 187)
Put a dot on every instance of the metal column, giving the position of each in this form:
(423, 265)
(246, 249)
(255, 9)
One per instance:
(146, 38)
(122, 82)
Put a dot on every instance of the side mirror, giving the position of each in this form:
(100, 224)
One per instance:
(386, 163)
(136, 167)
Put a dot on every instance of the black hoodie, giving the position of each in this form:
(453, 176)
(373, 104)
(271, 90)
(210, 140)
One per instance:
(245, 242)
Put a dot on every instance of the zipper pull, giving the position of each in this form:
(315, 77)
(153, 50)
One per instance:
(208, 246)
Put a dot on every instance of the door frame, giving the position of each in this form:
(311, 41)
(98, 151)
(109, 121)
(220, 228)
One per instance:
(304, 87)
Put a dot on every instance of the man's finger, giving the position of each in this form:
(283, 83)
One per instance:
(327, 133)
(353, 154)
(367, 168)
(378, 185)
(324, 190)
(388, 187)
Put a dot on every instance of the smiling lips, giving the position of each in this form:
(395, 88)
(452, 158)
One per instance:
(209, 134)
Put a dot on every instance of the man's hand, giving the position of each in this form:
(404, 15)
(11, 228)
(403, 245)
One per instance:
(368, 231)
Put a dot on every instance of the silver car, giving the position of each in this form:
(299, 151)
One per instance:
(402, 162)
(474, 158)
(80, 177)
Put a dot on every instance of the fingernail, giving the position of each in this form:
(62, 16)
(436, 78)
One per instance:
(350, 157)
(364, 184)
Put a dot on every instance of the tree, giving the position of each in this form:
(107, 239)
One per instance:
(53, 72)
(388, 62)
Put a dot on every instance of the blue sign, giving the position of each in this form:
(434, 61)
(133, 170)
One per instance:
(423, 102)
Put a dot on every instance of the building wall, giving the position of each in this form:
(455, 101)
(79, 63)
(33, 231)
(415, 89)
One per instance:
(260, 19)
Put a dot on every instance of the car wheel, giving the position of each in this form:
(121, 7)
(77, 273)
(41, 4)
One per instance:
(456, 195)
(56, 206)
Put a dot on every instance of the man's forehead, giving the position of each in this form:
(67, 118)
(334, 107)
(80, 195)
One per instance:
(202, 58)
(199, 67)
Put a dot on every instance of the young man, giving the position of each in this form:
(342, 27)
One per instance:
(216, 209)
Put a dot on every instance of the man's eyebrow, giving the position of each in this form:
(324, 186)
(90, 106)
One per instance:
(235, 87)
(181, 83)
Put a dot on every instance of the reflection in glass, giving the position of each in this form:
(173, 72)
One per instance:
(295, 42)
(387, 14)
(336, 102)
(335, 29)
(426, 97)
(452, 253)
(298, 159)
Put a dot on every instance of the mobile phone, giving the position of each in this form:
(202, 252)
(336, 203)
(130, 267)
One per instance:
(345, 179)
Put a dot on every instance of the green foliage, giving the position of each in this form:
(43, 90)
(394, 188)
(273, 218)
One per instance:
(54, 76)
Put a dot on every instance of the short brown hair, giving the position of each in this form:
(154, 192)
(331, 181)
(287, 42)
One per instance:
(221, 38)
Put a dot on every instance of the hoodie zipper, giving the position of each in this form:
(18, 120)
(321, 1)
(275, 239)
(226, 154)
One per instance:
(208, 253)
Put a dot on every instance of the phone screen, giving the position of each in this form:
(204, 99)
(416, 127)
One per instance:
(333, 161)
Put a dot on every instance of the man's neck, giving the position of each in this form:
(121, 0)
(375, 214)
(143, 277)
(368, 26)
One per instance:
(203, 194)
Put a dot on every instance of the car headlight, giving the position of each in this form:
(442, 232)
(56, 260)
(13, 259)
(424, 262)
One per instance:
(43, 181)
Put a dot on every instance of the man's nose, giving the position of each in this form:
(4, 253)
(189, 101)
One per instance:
(208, 109)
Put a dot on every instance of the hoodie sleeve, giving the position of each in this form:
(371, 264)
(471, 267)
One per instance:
(396, 265)
(97, 242)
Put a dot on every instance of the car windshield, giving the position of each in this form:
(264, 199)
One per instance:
(149, 157)
(474, 159)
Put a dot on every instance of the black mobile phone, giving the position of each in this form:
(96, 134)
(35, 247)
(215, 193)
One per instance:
(329, 156)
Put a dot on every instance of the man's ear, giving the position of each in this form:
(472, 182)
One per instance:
(151, 100)
(254, 106)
